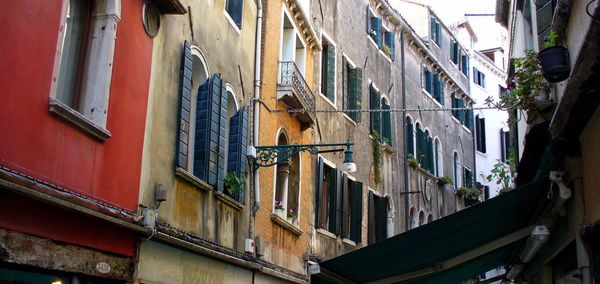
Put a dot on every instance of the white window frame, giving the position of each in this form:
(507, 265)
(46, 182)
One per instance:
(230, 20)
(96, 80)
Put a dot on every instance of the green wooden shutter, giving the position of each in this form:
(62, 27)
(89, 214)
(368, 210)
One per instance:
(319, 189)
(441, 92)
(330, 84)
(371, 221)
(386, 124)
(433, 30)
(355, 93)
(439, 38)
(460, 103)
(429, 81)
(333, 202)
(376, 25)
(344, 210)
(389, 41)
(375, 101)
(410, 143)
(430, 154)
(420, 145)
(185, 95)
(345, 84)
(355, 211)
(238, 144)
(435, 87)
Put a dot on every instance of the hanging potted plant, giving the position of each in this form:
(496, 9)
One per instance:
(554, 60)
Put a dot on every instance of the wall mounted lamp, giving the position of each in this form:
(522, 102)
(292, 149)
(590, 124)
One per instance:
(267, 156)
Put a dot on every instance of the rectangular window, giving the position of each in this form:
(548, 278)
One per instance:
(352, 89)
(457, 108)
(235, 10)
(81, 89)
(339, 204)
(454, 52)
(464, 59)
(389, 45)
(328, 71)
(480, 133)
(436, 31)
(478, 77)
(377, 218)
(504, 145)
(375, 104)
(467, 178)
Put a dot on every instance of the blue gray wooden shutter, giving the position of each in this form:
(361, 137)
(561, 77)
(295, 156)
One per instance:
(460, 103)
(333, 201)
(441, 92)
(185, 95)
(376, 25)
(238, 143)
(433, 30)
(435, 87)
(319, 190)
(429, 154)
(420, 145)
(211, 119)
(355, 93)
(438, 31)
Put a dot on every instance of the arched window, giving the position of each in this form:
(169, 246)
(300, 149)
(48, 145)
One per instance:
(287, 183)
(439, 158)
(421, 218)
(428, 151)
(457, 171)
(386, 122)
(409, 136)
(421, 144)
(413, 218)
(429, 218)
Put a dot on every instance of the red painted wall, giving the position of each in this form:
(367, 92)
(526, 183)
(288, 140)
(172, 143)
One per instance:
(35, 142)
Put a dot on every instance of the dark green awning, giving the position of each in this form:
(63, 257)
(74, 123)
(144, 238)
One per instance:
(448, 250)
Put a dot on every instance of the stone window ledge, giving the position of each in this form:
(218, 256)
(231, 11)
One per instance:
(286, 225)
(190, 178)
(326, 233)
(229, 201)
(67, 113)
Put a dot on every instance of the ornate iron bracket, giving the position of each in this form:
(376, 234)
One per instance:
(267, 156)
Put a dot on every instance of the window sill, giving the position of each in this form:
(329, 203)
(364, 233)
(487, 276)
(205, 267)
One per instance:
(436, 102)
(229, 201)
(332, 104)
(372, 41)
(286, 225)
(466, 128)
(190, 178)
(349, 118)
(78, 120)
(326, 233)
(349, 242)
(425, 172)
(232, 22)
(385, 55)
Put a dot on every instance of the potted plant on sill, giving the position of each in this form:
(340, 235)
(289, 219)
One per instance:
(233, 184)
(292, 217)
(503, 174)
(471, 195)
(554, 60)
(413, 161)
(445, 182)
(528, 90)
(279, 210)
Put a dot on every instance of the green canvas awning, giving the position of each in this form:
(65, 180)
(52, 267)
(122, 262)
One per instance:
(448, 250)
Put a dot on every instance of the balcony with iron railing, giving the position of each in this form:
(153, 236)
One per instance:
(293, 90)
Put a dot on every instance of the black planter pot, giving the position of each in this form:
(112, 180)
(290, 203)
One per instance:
(555, 63)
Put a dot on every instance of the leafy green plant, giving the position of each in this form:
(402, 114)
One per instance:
(386, 49)
(445, 180)
(528, 82)
(502, 173)
(233, 183)
(377, 154)
(551, 40)
(413, 161)
(471, 193)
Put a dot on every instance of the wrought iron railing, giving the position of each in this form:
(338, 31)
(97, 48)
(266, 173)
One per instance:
(291, 76)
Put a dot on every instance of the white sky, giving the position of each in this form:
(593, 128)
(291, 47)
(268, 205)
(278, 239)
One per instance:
(489, 33)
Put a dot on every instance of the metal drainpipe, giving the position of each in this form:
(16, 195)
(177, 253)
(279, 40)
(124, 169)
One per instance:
(406, 209)
(256, 106)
